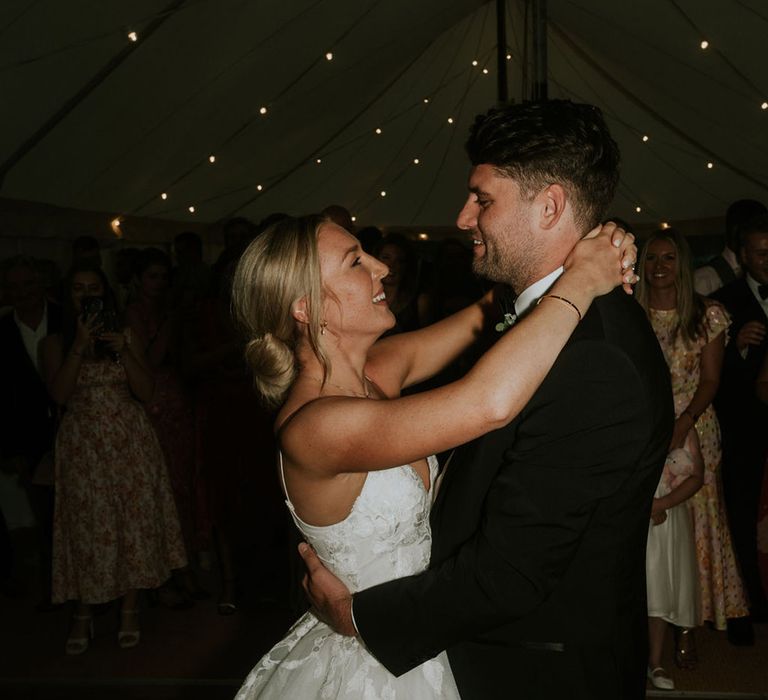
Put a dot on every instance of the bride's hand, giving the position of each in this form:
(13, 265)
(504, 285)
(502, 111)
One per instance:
(605, 259)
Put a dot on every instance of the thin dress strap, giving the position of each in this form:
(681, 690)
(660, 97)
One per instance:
(285, 488)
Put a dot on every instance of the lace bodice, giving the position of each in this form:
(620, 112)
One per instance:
(386, 534)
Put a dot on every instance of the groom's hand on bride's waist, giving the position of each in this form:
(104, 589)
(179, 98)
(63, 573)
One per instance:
(330, 598)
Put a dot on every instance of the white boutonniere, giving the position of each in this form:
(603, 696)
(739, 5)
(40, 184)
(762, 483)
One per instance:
(508, 322)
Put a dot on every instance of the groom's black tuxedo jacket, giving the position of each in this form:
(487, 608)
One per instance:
(537, 581)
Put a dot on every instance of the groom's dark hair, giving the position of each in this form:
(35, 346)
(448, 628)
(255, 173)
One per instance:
(558, 141)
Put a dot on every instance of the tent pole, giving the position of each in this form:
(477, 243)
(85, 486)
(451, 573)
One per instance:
(65, 110)
(539, 49)
(501, 51)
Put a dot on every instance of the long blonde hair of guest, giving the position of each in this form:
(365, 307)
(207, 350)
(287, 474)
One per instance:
(690, 306)
(278, 268)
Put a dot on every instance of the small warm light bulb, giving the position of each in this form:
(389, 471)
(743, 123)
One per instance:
(133, 36)
(638, 209)
(710, 165)
(115, 226)
(164, 195)
(383, 193)
(485, 71)
(263, 110)
(416, 161)
(354, 218)
(764, 105)
(329, 56)
(378, 131)
(191, 210)
(509, 56)
(423, 236)
(319, 160)
(704, 45)
(116, 222)
(450, 120)
(426, 100)
(645, 139)
(664, 225)
(211, 159)
(474, 63)
(259, 188)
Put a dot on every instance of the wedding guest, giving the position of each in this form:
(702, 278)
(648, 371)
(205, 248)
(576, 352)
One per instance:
(742, 415)
(191, 278)
(125, 270)
(339, 215)
(762, 516)
(27, 415)
(234, 441)
(671, 568)
(726, 267)
(157, 328)
(691, 330)
(86, 250)
(401, 285)
(369, 237)
(115, 525)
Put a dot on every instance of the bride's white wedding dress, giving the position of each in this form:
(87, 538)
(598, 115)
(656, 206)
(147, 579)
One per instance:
(385, 536)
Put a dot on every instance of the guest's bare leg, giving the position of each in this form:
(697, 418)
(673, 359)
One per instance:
(657, 630)
(129, 633)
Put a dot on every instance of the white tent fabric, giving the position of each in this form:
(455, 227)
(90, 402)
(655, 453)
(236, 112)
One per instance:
(194, 88)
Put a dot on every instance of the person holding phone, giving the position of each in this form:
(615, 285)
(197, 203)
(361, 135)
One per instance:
(116, 529)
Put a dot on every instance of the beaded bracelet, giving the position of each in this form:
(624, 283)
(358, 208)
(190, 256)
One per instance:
(563, 299)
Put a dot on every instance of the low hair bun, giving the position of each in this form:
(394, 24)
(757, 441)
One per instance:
(274, 367)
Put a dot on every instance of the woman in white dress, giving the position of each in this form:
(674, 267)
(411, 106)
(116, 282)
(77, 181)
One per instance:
(312, 304)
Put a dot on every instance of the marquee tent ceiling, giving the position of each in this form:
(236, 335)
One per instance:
(194, 83)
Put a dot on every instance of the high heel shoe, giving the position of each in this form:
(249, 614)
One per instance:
(127, 639)
(227, 604)
(685, 648)
(660, 679)
(77, 645)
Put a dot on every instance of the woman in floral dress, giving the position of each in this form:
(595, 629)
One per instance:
(115, 524)
(692, 330)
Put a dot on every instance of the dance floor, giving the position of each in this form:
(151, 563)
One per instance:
(197, 654)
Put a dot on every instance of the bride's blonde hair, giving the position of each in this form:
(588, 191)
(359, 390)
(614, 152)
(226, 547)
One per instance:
(280, 267)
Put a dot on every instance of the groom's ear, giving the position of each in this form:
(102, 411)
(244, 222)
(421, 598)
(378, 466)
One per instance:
(554, 202)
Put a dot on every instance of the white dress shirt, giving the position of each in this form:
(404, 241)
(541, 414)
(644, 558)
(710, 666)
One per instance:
(531, 294)
(31, 337)
(706, 280)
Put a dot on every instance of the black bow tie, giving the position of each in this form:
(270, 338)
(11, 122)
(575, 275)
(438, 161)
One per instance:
(762, 290)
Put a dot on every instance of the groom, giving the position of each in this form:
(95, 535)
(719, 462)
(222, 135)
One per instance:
(537, 582)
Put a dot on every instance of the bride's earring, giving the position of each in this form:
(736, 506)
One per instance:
(323, 326)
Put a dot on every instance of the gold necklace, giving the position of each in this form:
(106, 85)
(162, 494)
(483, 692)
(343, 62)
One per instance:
(366, 395)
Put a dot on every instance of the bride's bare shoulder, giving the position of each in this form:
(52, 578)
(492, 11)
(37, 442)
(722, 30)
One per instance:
(303, 422)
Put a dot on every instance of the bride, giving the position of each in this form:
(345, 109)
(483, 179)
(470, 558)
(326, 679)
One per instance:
(312, 305)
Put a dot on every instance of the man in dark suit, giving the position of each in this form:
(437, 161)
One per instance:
(536, 586)
(743, 419)
(26, 411)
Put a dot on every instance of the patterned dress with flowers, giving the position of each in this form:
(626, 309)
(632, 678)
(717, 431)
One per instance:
(722, 592)
(115, 521)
